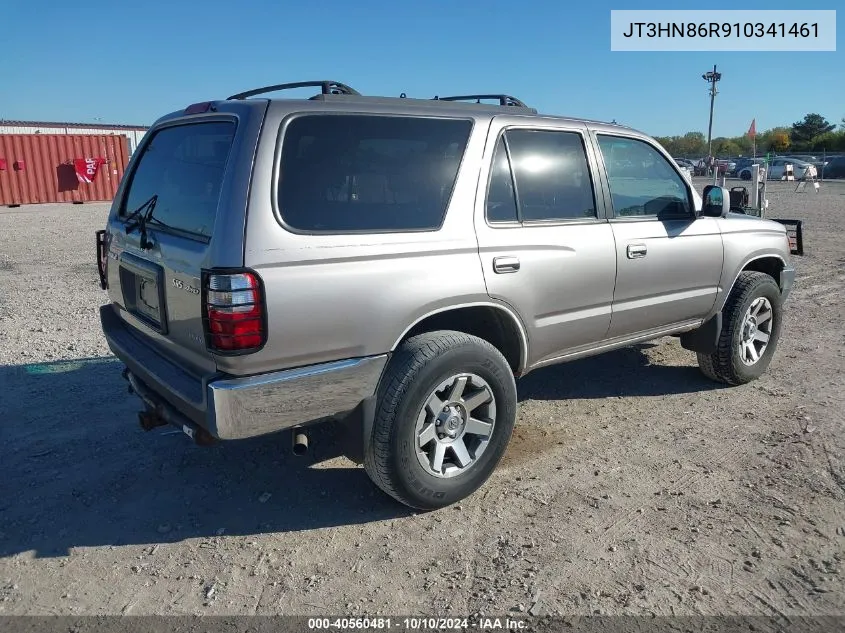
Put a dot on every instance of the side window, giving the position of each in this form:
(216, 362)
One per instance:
(552, 175)
(349, 172)
(642, 182)
(501, 200)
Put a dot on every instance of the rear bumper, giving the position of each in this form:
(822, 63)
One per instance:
(234, 407)
(787, 280)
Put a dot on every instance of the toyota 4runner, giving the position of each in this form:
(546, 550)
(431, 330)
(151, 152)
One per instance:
(397, 263)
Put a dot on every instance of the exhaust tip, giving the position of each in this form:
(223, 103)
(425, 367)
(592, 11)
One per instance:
(300, 443)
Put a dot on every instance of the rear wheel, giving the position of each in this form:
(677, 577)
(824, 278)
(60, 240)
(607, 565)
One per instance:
(750, 332)
(445, 415)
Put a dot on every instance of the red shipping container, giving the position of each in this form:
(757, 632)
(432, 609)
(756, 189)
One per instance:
(50, 173)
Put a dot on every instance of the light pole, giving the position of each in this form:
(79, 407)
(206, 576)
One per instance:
(711, 77)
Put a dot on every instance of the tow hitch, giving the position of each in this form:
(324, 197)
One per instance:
(158, 413)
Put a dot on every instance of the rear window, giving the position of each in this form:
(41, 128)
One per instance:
(344, 173)
(183, 165)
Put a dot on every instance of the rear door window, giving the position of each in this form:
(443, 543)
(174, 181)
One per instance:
(540, 176)
(367, 173)
(184, 166)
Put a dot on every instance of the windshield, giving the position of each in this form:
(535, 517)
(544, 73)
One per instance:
(183, 166)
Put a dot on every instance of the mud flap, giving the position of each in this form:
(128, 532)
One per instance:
(357, 429)
(705, 338)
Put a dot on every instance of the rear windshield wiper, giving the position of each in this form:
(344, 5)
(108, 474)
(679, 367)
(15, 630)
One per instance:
(132, 220)
(139, 218)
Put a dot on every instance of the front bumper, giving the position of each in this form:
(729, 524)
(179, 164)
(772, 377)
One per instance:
(787, 280)
(236, 407)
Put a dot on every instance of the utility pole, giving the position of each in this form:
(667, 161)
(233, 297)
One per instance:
(711, 77)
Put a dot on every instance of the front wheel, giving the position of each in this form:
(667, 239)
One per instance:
(750, 331)
(446, 411)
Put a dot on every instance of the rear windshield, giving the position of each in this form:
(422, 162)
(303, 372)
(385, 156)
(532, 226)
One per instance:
(343, 173)
(183, 165)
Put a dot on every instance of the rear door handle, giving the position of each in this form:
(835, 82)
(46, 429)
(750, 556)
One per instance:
(635, 251)
(507, 264)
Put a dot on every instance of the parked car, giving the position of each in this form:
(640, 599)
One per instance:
(835, 168)
(813, 160)
(686, 166)
(743, 167)
(777, 166)
(396, 264)
(725, 166)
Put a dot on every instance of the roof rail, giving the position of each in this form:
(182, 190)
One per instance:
(504, 100)
(326, 87)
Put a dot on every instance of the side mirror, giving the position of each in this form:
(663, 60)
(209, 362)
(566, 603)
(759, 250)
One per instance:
(716, 202)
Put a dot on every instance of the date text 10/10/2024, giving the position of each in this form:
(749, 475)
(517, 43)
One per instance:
(416, 624)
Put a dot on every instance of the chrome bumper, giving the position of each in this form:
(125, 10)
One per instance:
(230, 407)
(787, 280)
(255, 405)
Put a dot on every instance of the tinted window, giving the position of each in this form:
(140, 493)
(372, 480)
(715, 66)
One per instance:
(552, 176)
(184, 166)
(501, 203)
(642, 182)
(369, 173)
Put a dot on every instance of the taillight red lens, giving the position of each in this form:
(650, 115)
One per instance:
(234, 312)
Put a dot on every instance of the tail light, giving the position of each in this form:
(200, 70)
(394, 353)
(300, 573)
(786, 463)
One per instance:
(235, 319)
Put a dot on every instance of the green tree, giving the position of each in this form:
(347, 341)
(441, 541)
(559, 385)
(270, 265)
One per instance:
(829, 142)
(693, 144)
(726, 147)
(813, 125)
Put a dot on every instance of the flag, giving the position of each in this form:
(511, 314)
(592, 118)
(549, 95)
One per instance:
(87, 168)
(752, 131)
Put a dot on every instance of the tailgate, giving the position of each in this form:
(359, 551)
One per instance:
(180, 211)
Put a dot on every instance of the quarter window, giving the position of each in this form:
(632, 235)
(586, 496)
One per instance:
(642, 182)
(344, 173)
(501, 199)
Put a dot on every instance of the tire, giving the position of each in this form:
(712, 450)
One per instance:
(393, 457)
(752, 291)
(745, 175)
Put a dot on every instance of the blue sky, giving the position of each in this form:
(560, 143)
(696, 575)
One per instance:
(131, 62)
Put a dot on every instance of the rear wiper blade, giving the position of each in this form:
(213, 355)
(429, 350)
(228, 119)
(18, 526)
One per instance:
(137, 220)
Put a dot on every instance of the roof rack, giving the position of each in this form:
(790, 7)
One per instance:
(504, 100)
(326, 87)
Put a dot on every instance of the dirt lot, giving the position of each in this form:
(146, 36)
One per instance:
(632, 485)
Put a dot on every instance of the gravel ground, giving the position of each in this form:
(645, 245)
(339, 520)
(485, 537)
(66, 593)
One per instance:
(632, 484)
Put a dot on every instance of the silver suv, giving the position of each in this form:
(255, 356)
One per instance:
(396, 263)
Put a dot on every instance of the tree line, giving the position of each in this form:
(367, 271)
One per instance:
(813, 134)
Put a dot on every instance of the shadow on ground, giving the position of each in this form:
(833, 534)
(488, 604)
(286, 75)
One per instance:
(626, 372)
(77, 470)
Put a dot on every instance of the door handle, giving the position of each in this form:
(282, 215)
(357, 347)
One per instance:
(508, 264)
(635, 251)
